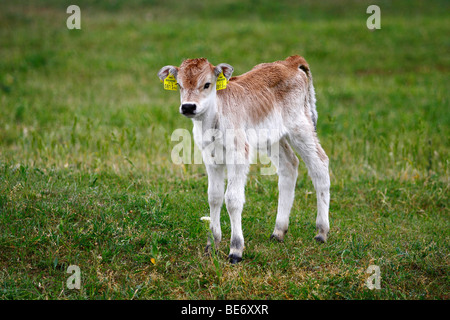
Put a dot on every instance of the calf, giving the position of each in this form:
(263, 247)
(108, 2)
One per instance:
(278, 96)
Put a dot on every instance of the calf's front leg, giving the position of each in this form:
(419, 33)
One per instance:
(216, 177)
(234, 200)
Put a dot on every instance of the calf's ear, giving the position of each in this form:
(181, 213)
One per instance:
(225, 68)
(164, 72)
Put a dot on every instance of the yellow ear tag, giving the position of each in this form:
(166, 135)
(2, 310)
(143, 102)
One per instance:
(221, 82)
(170, 83)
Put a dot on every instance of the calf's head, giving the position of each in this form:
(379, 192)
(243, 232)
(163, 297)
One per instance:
(196, 80)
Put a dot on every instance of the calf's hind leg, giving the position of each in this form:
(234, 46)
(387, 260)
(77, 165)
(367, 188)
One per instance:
(287, 165)
(306, 143)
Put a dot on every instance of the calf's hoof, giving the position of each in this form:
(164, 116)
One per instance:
(321, 238)
(209, 250)
(278, 235)
(234, 258)
(274, 237)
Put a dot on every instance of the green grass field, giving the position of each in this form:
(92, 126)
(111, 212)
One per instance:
(86, 176)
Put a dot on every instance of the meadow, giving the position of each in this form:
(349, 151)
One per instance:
(86, 176)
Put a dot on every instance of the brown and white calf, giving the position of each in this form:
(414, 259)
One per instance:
(276, 96)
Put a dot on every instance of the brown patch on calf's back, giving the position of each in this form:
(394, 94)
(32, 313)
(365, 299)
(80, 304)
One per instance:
(263, 88)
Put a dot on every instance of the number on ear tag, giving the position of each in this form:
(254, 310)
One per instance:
(170, 83)
(221, 82)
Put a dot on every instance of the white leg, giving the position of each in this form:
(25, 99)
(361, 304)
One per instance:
(305, 142)
(287, 177)
(216, 177)
(234, 200)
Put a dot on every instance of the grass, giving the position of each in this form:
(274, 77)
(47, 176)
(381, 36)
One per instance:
(86, 176)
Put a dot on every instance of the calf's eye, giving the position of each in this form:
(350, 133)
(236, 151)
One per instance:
(207, 85)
